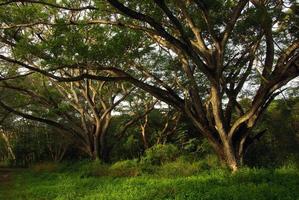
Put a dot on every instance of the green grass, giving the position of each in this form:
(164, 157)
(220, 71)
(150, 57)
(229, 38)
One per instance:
(82, 182)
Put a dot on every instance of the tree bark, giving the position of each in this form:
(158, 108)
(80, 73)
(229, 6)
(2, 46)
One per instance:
(143, 132)
(8, 146)
(230, 156)
(101, 140)
(95, 153)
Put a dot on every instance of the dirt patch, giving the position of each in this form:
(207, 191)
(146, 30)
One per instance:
(5, 175)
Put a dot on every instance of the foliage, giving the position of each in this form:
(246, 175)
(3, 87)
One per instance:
(262, 184)
(45, 167)
(215, 64)
(279, 146)
(160, 154)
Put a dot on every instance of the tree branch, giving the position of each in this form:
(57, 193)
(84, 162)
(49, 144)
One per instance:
(230, 25)
(54, 5)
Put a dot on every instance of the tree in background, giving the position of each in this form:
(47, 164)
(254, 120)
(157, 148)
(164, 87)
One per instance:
(80, 111)
(280, 144)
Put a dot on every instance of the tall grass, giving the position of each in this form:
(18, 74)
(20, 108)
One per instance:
(130, 180)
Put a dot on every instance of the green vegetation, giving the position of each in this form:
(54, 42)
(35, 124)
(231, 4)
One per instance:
(180, 181)
(162, 99)
(109, 79)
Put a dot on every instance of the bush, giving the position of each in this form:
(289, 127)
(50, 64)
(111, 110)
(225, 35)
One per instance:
(211, 161)
(125, 168)
(160, 154)
(197, 147)
(125, 164)
(94, 168)
(85, 169)
(45, 167)
(279, 145)
(178, 168)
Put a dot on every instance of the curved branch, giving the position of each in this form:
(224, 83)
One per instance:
(34, 118)
(159, 93)
(230, 25)
(54, 5)
(162, 32)
(16, 77)
(42, 120)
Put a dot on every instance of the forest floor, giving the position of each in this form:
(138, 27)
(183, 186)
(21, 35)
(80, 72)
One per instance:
(124, 183)
(6, 176)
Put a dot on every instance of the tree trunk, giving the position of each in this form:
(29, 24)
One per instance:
(232, 152)
(104, 153)
(95, 153)
(9, 147)
(143, 136)
(230, 156)
(103, 148)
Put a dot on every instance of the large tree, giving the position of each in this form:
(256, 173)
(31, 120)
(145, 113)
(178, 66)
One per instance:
(80, 111)
(224, 43)
(217, 51)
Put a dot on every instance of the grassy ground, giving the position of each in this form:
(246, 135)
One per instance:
(170, 182)
(5, 183)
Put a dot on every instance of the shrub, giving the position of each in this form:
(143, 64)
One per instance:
(209, 162)
(85, 168)
(160, 154)
(178, 168)
(125, 168)
(125, 164)
(197, 148)
(45, 167)
(93, 168)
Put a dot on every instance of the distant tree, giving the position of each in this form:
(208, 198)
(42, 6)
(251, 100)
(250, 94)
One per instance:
(280, 144)
(80, 111)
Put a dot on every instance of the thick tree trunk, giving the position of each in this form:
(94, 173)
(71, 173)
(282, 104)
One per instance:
(103, 148)
(226, 155)
(101, 140)
(95, 153)
(232, 152)
(230, 156)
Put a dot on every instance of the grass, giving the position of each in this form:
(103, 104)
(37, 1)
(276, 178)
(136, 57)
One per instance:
(128, 181)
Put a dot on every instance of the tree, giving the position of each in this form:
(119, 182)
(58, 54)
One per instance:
(214, 46)
(7, 146)
(155, 121)
(80, 111)
(216, 51)
(81, 108)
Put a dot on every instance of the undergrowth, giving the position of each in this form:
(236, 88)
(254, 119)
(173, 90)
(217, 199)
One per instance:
(132, 180)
